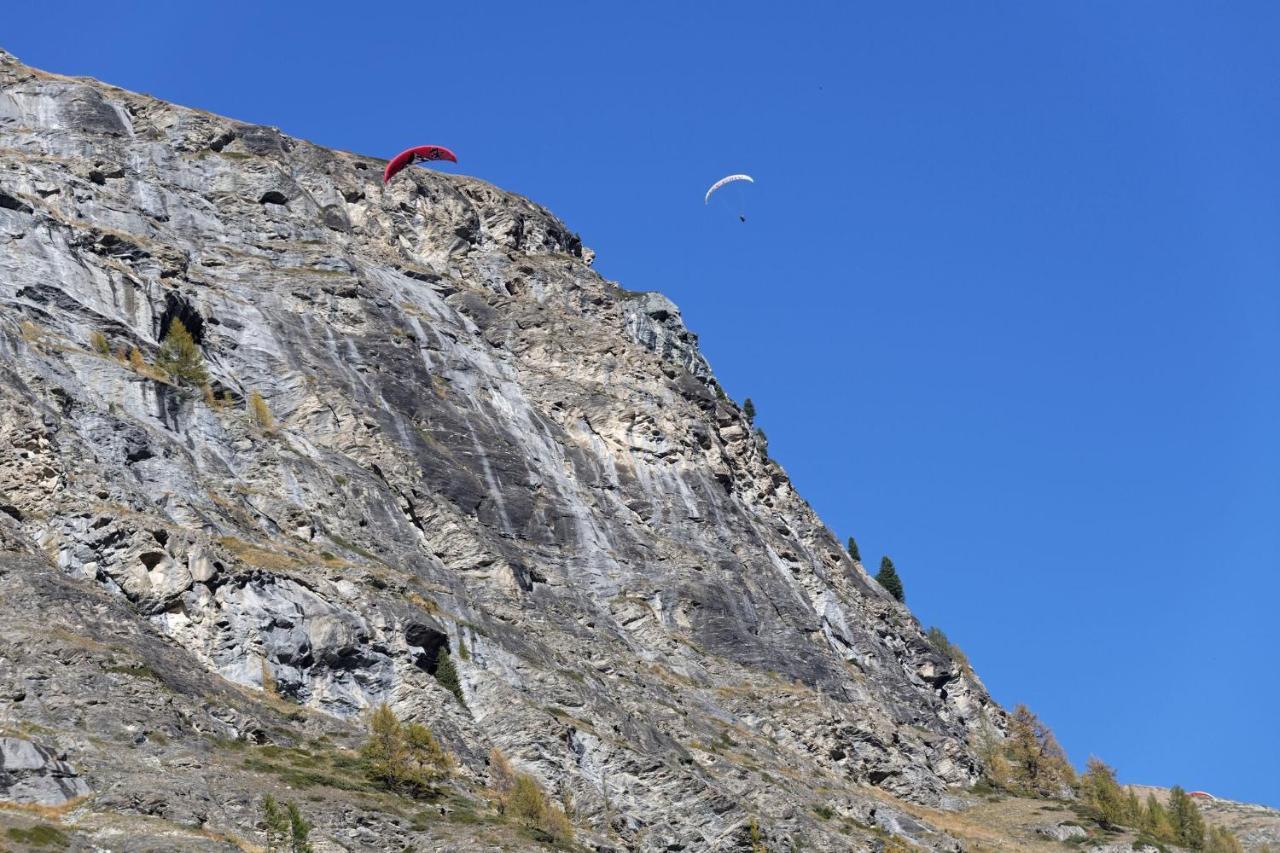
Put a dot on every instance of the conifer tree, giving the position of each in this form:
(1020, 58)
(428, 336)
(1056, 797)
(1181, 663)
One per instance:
(1184, 814)
(180, 357)
(996, 769)
(276, 823)
(1133, 813)
(1102, 794)
(749, 409)
(1039, 766)
(261, 413)
(502, 778)
(853, 550)
(447, 674)
(299, 831)
(888, 578)
(404, 758)
(1156, 821)
(428, 760)
(383, 751)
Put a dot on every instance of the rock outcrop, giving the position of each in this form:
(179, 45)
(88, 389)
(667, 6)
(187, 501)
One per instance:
(430, 426)
(32, 774)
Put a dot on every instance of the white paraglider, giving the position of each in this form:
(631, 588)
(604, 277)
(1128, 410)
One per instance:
(726, 180)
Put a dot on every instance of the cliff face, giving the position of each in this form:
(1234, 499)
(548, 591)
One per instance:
(477, 444)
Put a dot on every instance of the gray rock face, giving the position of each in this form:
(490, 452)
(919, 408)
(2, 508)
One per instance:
(30, 773)
(1062, 831)
(475, 443)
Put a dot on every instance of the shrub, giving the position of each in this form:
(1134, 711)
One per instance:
(763, 439)
(853, 550)
(521, 798)
(261, 413)
(98, 341)
(1221, 840)
(136, 361)
(269, 685)
(40, 835)
(947, 649)
(888, 578)
(527, 803)
(285, 828)
(180, 357)
(557, 824)
(996, 770)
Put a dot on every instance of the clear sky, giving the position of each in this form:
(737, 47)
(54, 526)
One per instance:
(1006, 299)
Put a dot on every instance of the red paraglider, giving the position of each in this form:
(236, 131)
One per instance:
(419, 154)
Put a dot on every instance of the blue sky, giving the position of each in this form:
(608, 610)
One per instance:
(1006, 300)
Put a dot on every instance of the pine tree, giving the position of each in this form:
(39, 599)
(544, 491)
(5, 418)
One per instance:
(888, 578)
(447, 674)
(180, 357)
(853, 550)
(749, 409)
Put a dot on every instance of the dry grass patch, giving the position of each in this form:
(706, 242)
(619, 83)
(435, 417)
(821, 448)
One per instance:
(54, 813)
(263, 558)
(1007, 824)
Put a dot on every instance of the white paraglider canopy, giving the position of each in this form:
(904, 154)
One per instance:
(726, 180)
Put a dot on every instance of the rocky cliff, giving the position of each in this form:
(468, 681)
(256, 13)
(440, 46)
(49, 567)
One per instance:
(466, 441)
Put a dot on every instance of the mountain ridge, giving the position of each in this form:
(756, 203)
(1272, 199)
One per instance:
(430, 427)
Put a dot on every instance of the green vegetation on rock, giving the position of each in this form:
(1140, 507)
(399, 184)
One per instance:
(180, 358)
(404, 757)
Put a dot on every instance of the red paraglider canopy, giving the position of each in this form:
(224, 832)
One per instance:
(416, 155)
